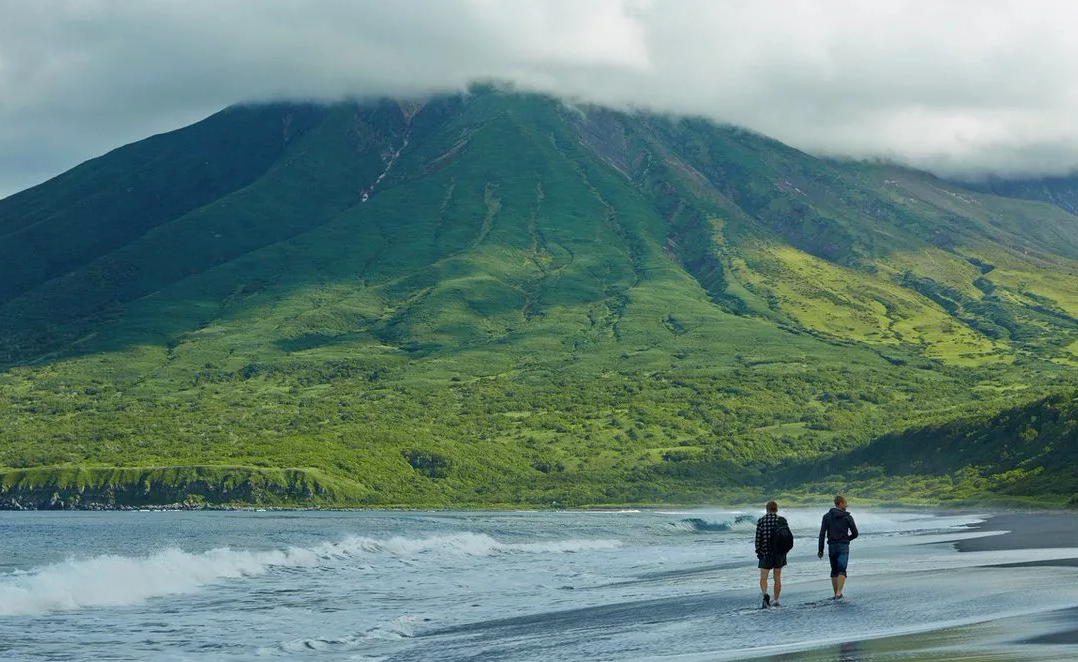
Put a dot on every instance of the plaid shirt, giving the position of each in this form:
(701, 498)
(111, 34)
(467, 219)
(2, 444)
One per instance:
(765, 528)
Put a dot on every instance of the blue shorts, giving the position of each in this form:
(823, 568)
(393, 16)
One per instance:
(839, 555)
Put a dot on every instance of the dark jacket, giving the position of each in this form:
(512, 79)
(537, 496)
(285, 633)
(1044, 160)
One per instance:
(765, 536)
(765, 532)
(838, 526)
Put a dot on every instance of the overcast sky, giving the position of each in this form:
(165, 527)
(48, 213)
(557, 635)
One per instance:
(955, 86)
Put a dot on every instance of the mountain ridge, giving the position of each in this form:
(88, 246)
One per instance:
(674, 305)
(1061, 191)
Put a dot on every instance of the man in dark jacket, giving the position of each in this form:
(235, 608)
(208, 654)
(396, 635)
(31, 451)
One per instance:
(840, 529)
(769, 557)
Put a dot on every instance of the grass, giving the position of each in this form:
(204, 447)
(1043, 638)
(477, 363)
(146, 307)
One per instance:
(524, 312)
(853, 306)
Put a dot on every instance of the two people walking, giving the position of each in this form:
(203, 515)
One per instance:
(773, 541)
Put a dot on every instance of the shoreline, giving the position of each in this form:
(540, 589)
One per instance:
(1000, 513)
(1042, 637)
(1048, 632)
(1024, 530)
(1047, 636)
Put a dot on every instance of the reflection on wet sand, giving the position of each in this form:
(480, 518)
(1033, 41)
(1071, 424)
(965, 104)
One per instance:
(846, 652)
(1042, 637)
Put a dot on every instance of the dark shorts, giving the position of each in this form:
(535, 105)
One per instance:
(839, 555)
(771, 562)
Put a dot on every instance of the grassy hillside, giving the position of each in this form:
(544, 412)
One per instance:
(1024, 452)
(499, 298)
(1060, 191)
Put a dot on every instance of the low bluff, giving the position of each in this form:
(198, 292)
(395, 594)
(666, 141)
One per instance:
(100, 488)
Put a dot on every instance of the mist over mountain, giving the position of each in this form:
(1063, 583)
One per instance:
(962, 89)
(1060, 191)
(502, 297)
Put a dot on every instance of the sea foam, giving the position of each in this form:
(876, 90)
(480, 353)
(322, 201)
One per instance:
(113, 580)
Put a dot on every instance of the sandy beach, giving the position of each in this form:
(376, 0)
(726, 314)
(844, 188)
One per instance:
(1024, 530)
(1038, 637)
(637, 586)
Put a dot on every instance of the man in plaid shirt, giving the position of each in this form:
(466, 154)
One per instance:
(769, 559)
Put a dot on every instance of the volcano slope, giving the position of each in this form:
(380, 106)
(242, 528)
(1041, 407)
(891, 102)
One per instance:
(497, 298)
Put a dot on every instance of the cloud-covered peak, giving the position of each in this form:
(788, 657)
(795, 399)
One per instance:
(965, 87)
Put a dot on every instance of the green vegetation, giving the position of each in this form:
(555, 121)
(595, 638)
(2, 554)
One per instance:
(498, 299)
(1023, 453)
(192, 486)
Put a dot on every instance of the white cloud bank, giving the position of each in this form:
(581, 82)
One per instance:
(964, 87)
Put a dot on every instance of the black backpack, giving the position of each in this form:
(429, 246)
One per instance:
(782, 539)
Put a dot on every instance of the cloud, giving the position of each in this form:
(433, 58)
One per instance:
(963, 87)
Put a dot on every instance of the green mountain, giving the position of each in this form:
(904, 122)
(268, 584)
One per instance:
(1022, 453)
(498, 298)
(1060, 191)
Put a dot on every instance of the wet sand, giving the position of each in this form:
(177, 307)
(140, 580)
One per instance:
(1042, 637)
(1026, 530)
(996, 641)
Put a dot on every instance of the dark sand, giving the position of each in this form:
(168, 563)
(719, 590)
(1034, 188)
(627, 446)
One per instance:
(1066, 636)
(1043, 637)
(1033, 531)
(992, 641)
(1030, 530)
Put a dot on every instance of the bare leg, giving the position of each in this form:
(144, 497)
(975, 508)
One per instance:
(834, 585)
(763, 578)
(840, 581)
(778, 584)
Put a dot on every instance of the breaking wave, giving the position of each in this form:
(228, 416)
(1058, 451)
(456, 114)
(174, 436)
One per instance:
(699, 525)
(112, 580)
(461, 544)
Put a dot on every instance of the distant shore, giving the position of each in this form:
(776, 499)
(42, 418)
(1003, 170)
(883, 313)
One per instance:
(1025, 530)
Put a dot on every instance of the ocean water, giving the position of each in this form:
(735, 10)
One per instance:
(676, 585)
